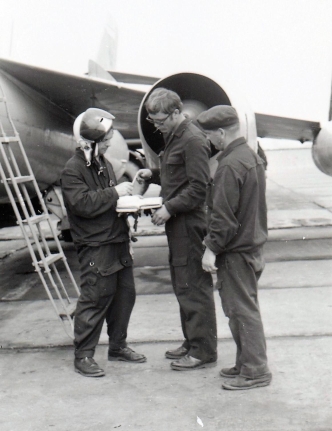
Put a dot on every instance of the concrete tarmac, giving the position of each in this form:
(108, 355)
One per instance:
(40, 391)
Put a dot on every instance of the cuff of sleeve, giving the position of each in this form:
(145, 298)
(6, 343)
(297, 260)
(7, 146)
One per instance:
(169, 208)
(116, 193)
(155, 176)
(110, 195)
(211, 245)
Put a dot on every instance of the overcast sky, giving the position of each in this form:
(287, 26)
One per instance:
(277, 52)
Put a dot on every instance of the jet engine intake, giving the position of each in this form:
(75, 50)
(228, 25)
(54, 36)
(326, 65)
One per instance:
(198, 93)
(322, 148)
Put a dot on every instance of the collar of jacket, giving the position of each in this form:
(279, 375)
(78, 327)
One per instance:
(231, 147)
(81, 155)
(181, 127)
(179, 130)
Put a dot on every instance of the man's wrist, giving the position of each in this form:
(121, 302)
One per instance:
(166, 206)
(208, 250)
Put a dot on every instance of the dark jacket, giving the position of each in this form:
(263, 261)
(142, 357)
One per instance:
(237, 213)
(91, 202)
(184, 178)
(184, 169)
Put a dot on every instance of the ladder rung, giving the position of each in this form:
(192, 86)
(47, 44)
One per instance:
(21, 179)
(7, 139)
(9, 142)
(51, 259)
(36, 219)
(70, 310)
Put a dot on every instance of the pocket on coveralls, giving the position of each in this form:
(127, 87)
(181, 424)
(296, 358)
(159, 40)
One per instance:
(178, 242)
(175, 168)
(91, 293)
(107, 281)
(180, 272)
(101, 285)
(111, 269)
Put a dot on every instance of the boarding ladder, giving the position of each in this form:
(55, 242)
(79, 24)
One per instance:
(18, 186)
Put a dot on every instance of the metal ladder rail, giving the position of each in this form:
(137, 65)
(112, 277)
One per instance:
(36, 187)
(26, 237)
(43, 263)
(45, 211)
(31, 220)
(45, 215)
(55, 237)
(36, 221)
(44, 260)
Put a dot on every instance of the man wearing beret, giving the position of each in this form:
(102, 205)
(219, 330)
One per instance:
(184, 177)
(237, 231)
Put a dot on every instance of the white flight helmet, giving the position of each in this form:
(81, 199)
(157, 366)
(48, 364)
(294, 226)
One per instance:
(91, 127)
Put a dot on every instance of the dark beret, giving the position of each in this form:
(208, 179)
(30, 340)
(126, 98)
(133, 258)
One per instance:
(218, 116)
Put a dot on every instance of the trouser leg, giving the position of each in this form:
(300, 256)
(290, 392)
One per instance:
(192, 286)
(185, 343)
(197, 309)
(235, 330)
(103, 277)
(237, 283)
(119, 312)
(91, 310)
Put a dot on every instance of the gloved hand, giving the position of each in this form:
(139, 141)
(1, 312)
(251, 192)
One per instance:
(145, 174)
(124, 189)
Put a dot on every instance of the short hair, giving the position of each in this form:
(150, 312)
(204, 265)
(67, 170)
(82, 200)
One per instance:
(163, 100)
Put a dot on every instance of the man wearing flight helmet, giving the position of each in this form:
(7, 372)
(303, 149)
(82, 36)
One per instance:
(102, 241)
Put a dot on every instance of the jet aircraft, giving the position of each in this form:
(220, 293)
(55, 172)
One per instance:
(43, 105)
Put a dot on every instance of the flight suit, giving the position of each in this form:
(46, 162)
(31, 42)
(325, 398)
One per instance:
(101, 238)
(184, 179)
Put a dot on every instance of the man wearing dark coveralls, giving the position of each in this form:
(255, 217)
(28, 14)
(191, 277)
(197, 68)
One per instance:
(184, 178)
(102, 241)
(237, 230)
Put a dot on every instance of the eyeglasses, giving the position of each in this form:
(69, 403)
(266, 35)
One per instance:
(158, 122)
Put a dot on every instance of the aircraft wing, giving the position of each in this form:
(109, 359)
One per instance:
(269, 126)
(130, 78)
(74, 93)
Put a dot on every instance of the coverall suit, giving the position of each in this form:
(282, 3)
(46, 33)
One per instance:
(237, 230)
(184, 179)
(102, 242)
